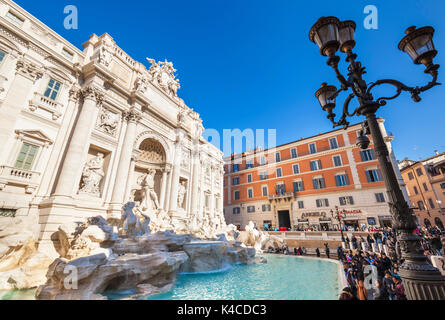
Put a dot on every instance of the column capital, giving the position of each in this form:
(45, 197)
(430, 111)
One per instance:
(92, 92)
(132, 115)
(28, 70)
(75, 93)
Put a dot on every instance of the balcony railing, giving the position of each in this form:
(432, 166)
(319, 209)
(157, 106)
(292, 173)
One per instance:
(285, 195)
(28, 179)
(49, 105)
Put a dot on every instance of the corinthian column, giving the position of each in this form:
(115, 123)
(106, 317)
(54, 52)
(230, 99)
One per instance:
(195, 180)
(132, 116)
(175, 174)
(165, 172)
(78, 147)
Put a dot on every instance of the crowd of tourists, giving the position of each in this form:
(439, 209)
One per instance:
(371, 264)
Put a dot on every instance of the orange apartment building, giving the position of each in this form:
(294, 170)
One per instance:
(425, 183)
(302, 183)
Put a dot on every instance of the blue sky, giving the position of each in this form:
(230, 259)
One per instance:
(249, 64)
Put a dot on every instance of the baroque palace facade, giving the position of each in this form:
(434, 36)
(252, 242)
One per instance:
(302, 184)
(81, 130)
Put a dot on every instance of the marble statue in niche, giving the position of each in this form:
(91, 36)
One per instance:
(150, 198)
(92, 175)
(181, 194)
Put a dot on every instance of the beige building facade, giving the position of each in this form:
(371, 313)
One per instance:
(81, 130)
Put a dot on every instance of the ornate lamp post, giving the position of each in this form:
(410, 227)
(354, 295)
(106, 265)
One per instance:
(421, 280)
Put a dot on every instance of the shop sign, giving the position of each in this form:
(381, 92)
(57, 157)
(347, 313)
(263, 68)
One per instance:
(313, 214)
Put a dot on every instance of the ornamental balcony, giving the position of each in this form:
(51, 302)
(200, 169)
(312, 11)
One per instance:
(25, 178)
(51, 106)
(281, 196)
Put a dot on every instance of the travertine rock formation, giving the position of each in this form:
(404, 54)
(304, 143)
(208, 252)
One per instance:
(148, 263)
(21, 265)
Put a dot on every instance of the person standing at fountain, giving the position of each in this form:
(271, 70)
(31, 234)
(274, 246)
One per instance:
(317, 251)
(327, 250)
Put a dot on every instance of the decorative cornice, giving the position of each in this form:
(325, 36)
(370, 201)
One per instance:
(29, 70)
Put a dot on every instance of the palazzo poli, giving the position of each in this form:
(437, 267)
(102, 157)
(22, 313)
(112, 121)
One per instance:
(84, 132)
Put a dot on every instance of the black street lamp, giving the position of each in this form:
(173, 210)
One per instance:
(421, 280)
(339, 215)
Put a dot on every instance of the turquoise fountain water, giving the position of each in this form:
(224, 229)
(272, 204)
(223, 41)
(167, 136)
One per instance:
(282, 278)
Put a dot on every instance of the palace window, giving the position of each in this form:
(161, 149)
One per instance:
(279, 172)
(312, 148)
(373, 175)
(2, 56)
(316, 165)
(265, 191)
(333, 143)
(341, 180)
(425, 187)
(236, 195)
(419, 172)
(251, 209)
(281, 189)
(26, 156)
(264, 176)
(266, 207)
(322, 203)
(236, 210)
(52, 89)
(415, 190)
(368, 155)
(298, 186)
(319, 183)
(294, 153)
(263, 161)
(235, 168)
(235, 181)
(380, 197)
(250, 193)
(300, 204)
(346, 201)
(14, 18)
(277, 157)
(431, 203)
(296, 168)
(410, 176)
(67, 54)
(249, 178)
(420, 205)
(337, 161)
(249, 164)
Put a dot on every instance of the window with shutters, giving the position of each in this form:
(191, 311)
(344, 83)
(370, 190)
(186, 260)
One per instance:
(368, 155)
(316, 165)
(337, 161)
(373, 175)
(319, 183)
(294, 153)
(296, 168)
(279, 172)
(26, 157)
(312, 148)
(341, 180)
(298, 186)
(380, 197)
(265, 191)
(333, 143)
